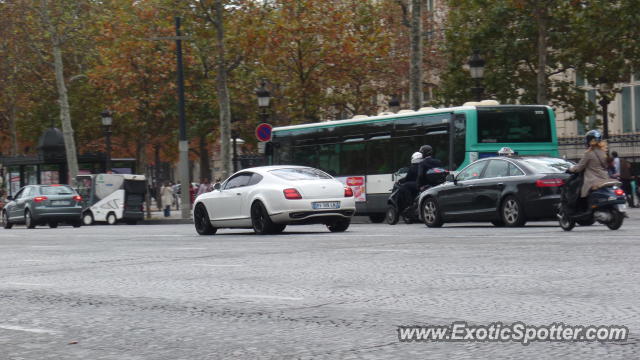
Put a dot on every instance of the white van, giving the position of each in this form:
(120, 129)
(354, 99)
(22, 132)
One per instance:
(112, 198)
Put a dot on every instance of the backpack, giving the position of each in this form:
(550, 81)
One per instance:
(436, 176)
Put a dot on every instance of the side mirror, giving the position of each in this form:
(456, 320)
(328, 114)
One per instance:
(451, 177)
(216, 186)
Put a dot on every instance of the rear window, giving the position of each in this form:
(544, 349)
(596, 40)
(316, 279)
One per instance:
(548, 165)
(56, 190)
(294, 174)
(514, 125)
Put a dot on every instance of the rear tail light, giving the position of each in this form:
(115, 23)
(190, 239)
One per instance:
(549, 182)
(618, 192)
(292, 194)
(39, 199)
(348, 192)
(77, 198)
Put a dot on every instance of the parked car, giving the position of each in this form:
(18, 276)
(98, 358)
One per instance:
(507, 191)
(269, 198)
(37, 205)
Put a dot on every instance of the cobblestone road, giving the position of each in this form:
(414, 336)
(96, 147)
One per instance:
(162, 292)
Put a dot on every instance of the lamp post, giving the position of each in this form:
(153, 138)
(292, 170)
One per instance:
(604, 89)
(107, 121)
(234, 142)
(394, 104)
(476, 68)
(264, 98)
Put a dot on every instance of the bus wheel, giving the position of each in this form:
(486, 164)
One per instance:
(87, 218)
(377, 218)
(111, 219)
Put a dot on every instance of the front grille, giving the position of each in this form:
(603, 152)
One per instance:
(303, 214)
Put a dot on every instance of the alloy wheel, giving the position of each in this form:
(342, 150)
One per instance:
(511, 211)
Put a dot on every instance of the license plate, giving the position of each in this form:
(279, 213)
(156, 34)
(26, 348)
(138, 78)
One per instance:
(326, 205)
(59, 203)
(622, 207)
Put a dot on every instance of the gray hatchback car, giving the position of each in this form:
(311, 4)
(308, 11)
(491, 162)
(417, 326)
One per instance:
(49, 205)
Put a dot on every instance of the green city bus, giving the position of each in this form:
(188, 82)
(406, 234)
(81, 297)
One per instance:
(366, 152)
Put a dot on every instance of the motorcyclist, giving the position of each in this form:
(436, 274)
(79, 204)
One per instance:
(408, 184)
(428, 162)
(593, 164)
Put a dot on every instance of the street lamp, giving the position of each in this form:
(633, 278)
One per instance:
(476, 68)
(604, 89)
(264, 98)
(107, 121)
(394, 104)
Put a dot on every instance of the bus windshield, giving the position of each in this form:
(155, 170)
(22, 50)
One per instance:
(513, 125)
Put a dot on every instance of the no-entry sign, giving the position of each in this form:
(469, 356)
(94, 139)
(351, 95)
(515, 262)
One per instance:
(263, 132)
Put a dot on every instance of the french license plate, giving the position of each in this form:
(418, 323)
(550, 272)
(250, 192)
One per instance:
(59, 203)
(326, 205)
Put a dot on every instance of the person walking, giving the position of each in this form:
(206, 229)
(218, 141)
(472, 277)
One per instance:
(166, 195)
(204, 186)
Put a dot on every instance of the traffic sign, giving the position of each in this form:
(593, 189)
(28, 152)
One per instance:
(263, 132)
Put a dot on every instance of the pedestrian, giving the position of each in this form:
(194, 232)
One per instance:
(204, 186)
(625, 178)
(166, 195)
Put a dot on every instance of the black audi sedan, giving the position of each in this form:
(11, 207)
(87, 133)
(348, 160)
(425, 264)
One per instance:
(506, 191)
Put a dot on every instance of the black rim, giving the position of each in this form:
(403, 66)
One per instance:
(200, 218)
(258, 218)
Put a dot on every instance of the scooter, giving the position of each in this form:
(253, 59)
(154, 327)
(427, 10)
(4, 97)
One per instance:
(393, 215)
(606, 205)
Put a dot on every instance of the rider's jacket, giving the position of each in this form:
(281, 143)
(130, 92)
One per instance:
(425, 165)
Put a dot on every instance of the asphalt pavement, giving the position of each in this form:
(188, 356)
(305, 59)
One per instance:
(163, 292)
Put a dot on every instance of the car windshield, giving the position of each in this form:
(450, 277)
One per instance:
(294, 174)
(56, 190)
(548, 165)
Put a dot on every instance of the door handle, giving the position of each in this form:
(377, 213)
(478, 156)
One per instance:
(500, 184)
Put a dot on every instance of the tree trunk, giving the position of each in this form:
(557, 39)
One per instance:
(141, 156)
(541, 79)
(415, 73)
(13, 132)
(205, 168)
(223, 92)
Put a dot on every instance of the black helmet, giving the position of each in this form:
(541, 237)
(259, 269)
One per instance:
(426, 150)
(592, 135)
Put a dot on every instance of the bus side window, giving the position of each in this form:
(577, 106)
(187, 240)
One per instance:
(379, 157)
(329, 159)
(353, 158)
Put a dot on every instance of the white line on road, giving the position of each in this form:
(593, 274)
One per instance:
(32, 330)
(267, 297)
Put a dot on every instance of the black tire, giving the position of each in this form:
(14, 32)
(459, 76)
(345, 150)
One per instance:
(87, 218)
(377, 218)
(260, 220)
(497, 223)
(512, 212)
(202, 221)
(617, 218)
(5, 221)
(392, 215)
(28, 220)
(112, 219)
(339, 225)
(53, 224)
(431, 213)
(566, 223)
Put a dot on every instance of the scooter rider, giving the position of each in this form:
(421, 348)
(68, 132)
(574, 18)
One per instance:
(409, 187)
(428, 162)
(593, 164)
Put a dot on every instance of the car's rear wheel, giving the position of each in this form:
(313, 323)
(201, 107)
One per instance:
(260, 219)
(87, 218)
(5, 221)
(28, 220)
(339, 225)
(511, 211)
(53, 224)
(377, 218)
(431, 213)
(202, 221)
(112, 219)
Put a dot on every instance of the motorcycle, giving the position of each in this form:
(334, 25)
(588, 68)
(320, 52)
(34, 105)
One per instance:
(393, 215)
(606, 205)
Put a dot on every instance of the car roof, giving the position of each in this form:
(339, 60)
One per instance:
(265, 169)
(521, 157)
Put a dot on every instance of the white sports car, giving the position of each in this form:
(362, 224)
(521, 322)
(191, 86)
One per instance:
(269, 198)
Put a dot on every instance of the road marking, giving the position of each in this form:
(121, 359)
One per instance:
(32, 330)
(268, 297)
(486, 275)
(25, 284)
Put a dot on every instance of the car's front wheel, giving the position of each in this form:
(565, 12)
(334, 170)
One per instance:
(202, 221)
(112, 219)
(260, 220)
(5, 221)
(87, 218)
(339, 225)
(511, 211)
(28, 220)
(431, 213)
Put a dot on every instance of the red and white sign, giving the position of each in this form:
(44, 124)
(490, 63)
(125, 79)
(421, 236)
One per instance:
(263, 132)
(357, 184)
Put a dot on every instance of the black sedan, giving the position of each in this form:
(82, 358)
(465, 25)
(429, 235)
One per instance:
(43, 204)
(506, 191)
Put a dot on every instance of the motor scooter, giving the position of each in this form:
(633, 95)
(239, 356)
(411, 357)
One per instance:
(606, 205)
(393, 215)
